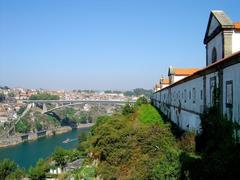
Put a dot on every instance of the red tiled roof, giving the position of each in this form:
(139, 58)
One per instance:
(165, 81)
(237, 25)
(200, 71)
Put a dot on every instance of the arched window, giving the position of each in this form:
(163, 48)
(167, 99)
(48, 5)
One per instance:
(214, 55)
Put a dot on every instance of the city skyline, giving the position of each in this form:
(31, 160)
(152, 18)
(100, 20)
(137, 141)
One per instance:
(100, 45)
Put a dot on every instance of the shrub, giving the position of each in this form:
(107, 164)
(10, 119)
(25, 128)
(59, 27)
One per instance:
(127, 109)
(39, 171)
(6, 168)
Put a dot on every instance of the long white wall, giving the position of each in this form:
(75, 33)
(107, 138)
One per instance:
(232, 73)
(183, 103)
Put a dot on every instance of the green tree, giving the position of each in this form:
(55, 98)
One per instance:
(39, 171)
(82, 137)
(18, 174)
(59, 155)
(6, 168)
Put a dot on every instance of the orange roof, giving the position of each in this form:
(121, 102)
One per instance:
(185, 71)
(237, 25)
(200, 71)
(165, 81)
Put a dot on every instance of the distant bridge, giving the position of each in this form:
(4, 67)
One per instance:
(66, 103)
(79, 101)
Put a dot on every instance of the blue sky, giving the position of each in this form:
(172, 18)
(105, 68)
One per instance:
(101, 44)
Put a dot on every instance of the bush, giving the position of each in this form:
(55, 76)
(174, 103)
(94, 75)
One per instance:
(6, 168)
(18, 174)
(217, 132)
(220, 155)
(142, 100)
(60, 156)
(39, 171)
(127, 109)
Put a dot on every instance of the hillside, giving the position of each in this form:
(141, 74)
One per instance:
(138, 145)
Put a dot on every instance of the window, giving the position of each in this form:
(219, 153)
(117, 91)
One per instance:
(194, 94)
(212, 90)
(189, 94)
(229, 93)
(185, 95)
(214, 55)
(201, 94)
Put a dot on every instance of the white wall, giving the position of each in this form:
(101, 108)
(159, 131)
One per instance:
(177, 78)
(232, 73)
(217, 43)
(188, 117)
(235, 42)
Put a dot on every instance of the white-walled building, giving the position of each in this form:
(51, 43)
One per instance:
(187, 97)
(164, 82)
(176, 74)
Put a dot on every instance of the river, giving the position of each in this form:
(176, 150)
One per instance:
(28, 153)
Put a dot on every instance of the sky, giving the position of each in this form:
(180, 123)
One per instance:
(101, 44)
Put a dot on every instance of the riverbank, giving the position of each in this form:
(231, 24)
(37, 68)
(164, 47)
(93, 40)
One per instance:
(14, 140)
(28, 153)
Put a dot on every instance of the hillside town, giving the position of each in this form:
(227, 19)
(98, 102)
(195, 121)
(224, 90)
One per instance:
(11, 99)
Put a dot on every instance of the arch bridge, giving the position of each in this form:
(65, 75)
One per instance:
(66, 103)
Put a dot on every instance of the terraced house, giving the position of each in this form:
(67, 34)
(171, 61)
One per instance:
(190, 91)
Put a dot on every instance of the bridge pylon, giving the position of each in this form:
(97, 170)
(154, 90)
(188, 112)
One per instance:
(44, 108)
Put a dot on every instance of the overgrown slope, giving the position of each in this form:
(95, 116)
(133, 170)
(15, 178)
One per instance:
(134, 146)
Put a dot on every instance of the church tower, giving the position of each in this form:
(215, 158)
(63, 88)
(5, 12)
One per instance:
(222, 37)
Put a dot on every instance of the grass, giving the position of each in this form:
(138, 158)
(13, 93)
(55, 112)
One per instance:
(147, 114)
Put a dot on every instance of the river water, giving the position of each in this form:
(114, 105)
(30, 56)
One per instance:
(28, 153)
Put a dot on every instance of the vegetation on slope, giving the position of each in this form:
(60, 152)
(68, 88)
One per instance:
(134, 145)
(139, 144)
(9, 170)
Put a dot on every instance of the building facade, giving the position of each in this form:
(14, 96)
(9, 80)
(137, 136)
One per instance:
(186, 97)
